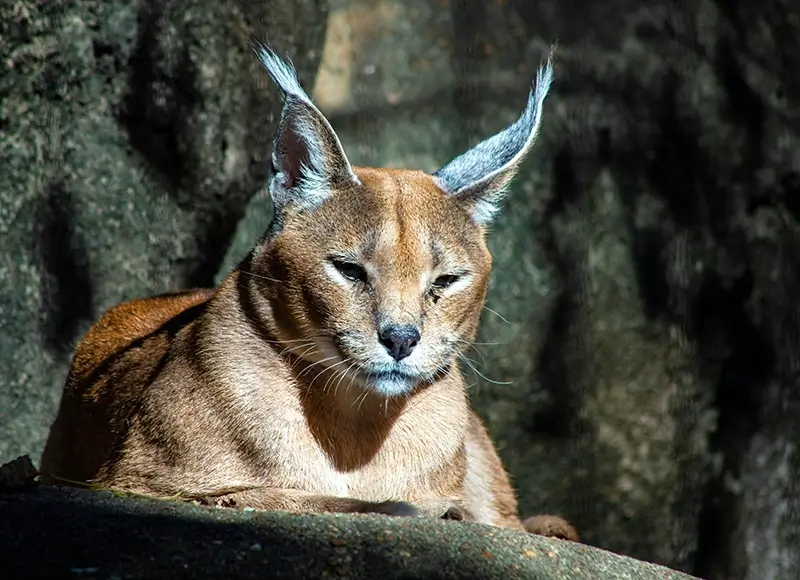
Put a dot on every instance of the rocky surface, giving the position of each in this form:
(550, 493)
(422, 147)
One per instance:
(61, 533)
(639, 355)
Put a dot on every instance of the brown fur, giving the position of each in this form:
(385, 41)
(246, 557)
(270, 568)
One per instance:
(274, 391)
(553, 526)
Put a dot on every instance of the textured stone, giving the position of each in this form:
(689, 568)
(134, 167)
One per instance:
(97, 535)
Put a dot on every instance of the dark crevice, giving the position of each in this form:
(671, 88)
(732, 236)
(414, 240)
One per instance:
(67, 284)
(566, 187)
(605, 146)
(212, 236)
(742, 376)
(648, 246)
(558, 417)
(158, 104)
(678, 163)
(744, 107)
(790, 192)
(101, 49)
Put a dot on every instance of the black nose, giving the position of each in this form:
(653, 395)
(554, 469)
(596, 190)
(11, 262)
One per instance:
(399, 339)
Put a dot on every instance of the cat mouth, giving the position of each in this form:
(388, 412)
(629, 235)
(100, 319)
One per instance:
(392, 375)
(391, 383)
(387, 379)
(332, 356)
(383, 380)
(396, 382)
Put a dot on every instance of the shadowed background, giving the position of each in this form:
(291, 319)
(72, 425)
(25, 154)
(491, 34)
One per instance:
(647, 259)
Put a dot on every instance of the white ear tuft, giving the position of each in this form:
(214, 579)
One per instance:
(282, 72)
(481, 175)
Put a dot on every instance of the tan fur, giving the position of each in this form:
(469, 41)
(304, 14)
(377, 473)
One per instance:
(553, 526)
(225, 394)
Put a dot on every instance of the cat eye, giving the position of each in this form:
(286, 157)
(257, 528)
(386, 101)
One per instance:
(350, 270)
(444, 281)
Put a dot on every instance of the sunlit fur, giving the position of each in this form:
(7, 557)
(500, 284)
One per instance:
(404, 227)
(405, 232)
(273, 391)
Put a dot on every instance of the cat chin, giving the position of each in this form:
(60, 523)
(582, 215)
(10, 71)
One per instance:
(390, 384)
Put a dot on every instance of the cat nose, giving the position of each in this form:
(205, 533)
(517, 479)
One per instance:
(399, 339)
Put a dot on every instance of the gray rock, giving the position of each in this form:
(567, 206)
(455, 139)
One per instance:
(98, 535)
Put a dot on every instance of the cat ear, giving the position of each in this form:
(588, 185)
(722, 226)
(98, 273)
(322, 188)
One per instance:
(480, 176)
(307, 157)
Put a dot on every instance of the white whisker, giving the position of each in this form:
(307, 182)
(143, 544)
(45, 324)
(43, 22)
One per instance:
(500, 316)
(333, 375)
(261, 276)
(477, 372)
(319, 362)
(475, 348)
(344, 375)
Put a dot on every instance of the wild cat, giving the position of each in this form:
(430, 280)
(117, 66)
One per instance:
(321, 375)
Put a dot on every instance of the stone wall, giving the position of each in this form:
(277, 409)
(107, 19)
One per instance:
(638, 358)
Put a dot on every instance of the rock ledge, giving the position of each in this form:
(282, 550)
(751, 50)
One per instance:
(67, 533)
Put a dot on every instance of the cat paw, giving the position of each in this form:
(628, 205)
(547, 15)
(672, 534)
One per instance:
(551, 526)
(445, 509)
(393, 508)
(435, 509)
